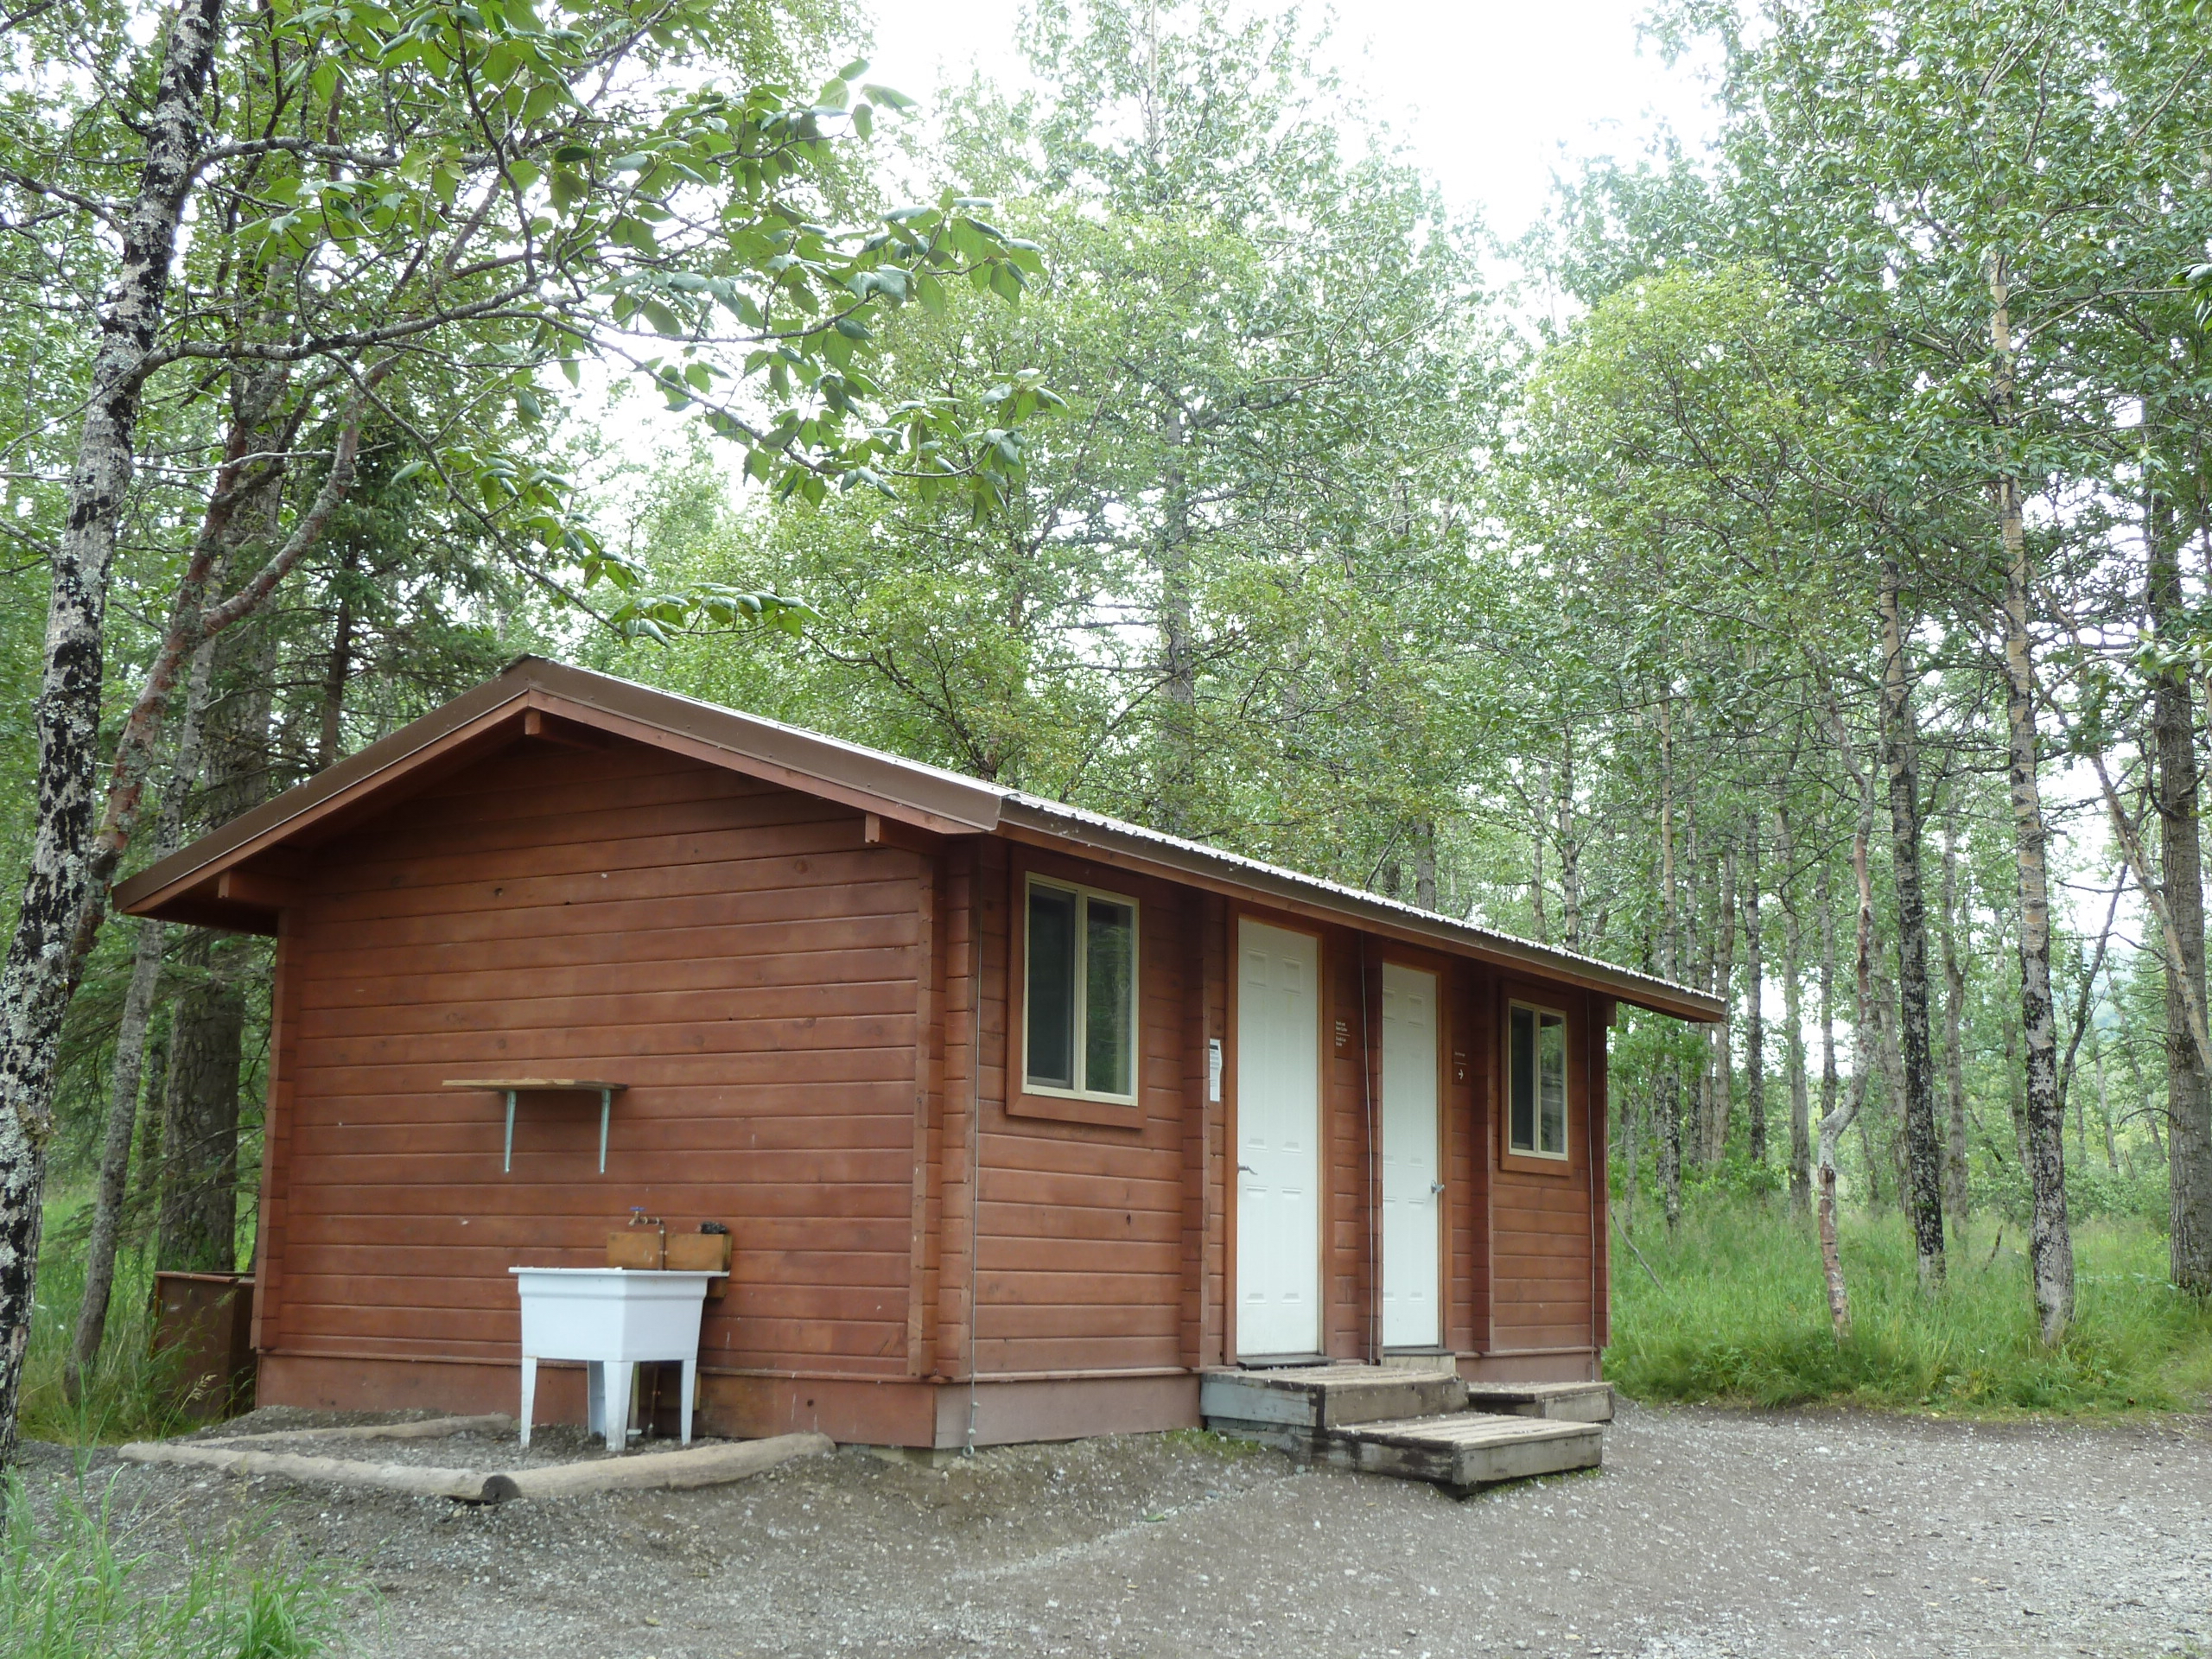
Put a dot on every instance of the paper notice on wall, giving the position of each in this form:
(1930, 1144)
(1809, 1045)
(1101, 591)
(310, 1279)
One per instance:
(1213, 1070)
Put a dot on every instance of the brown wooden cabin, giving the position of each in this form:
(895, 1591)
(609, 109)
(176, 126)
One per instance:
(1021, 1116)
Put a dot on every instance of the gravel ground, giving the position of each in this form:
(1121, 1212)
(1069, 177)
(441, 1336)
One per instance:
(1708, 1533)
(471, 1449)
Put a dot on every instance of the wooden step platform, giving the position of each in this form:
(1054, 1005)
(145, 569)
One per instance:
(1292, 1404)
(1394, 1419)
(1465, 1450)
(1567, 1402)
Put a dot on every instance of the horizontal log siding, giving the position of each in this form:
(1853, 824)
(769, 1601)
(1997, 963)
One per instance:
(730, 949)
(1082, 1228)
(1541, 1224)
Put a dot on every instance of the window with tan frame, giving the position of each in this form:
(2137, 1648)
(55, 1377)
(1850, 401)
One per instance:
(1079, 992)
(1536, 1079)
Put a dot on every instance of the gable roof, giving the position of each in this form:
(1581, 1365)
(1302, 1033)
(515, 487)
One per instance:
(237, 876)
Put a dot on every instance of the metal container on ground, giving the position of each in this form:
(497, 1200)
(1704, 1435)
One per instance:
(203, 1325)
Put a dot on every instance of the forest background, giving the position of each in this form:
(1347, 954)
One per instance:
(1784, 569)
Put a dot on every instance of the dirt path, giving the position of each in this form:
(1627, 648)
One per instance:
(1709, 1533)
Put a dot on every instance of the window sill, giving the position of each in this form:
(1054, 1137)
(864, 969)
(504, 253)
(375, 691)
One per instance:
(1068, 1109)
(1527, 1163)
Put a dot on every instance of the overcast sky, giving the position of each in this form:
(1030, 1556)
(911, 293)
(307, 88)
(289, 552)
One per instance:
(1489, 96)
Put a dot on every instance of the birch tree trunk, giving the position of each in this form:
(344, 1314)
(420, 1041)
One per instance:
(1793, 1014)
(1955, 1197)
(1721, 1105)
(1755, 999)
(2050, 1245)
(1178, 664)
(1833, 1122)
(1668, 1100)
(36, 981)
(2189, 1091)
(1823, 901)
(1916, 1096)
(2104, 1106)
(1570, 850)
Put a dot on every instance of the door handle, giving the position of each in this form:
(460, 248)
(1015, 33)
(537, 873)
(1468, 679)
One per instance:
(1436, 1189)
(1246, 1169)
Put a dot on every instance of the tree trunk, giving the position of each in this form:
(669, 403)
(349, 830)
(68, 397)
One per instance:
(2104, 1106)
(1955, 1196)
(201, 1105)
(1543, 927)
(1901, 748)
(1823, 901)
(1833, 1123)
(1793, 1015)
(38, 979)
(329, 738)
(129, 1053)
(1721, 1106)
(200, 1118)
(1179, 661)
(1424, 864)
(2189, 1091)
(1570, 851)
(2050, 1245)
(1755, 999)
(1669, 1096)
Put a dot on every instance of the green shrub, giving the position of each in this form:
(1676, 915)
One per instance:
(69, 1589)
(1740, 1314)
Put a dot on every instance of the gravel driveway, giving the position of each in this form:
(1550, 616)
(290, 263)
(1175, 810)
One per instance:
(1708, 1533)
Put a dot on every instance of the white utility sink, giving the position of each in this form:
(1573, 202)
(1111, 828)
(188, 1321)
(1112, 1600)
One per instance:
(613, 1319)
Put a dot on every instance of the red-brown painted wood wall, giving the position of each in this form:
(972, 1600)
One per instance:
(815, 1032)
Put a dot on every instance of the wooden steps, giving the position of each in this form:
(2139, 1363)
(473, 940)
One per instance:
(1294, 1399)
(1566, 1402)
(1465, 1450)
(1394, 1419)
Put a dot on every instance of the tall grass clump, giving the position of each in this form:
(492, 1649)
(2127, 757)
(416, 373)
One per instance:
(132, 1392)
(1740, 1314)
(72, 1588)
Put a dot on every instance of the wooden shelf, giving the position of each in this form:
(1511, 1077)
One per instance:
(512, 1086)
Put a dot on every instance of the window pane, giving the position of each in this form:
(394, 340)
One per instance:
(1052, 987)
(1523, 1081)
(1551, 1083)
(1109, 1005)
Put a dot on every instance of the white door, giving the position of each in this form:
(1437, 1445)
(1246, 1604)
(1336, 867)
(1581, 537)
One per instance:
(1278, 1141)
(1411, 1261)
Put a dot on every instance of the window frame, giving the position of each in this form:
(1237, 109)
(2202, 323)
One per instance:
(1079, 1036)
(1533, 1157)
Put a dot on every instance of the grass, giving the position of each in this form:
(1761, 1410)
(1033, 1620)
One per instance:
(1741, 1315)
(72, 1588)
(131, 1394)
(1213, 1443)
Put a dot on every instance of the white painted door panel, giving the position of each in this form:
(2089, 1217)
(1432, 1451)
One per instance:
(1278, 1141)
(1412, 1262)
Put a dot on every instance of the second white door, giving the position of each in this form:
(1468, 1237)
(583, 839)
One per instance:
(1278, 1141)
(1412, 1193)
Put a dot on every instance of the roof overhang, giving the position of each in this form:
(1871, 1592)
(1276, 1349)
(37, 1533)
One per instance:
(1134, 848)
(243, 876)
